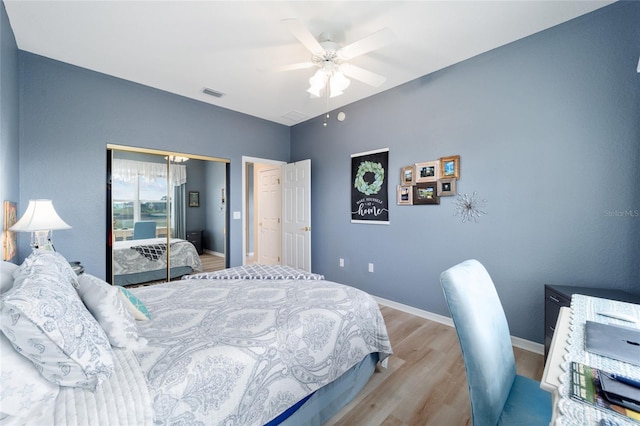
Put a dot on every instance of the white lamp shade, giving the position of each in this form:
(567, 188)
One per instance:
(40, 216)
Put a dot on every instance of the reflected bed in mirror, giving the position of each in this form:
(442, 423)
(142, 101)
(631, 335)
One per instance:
(140, 261)
(149, 218)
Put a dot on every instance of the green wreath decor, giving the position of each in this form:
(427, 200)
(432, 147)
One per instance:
(362, 185)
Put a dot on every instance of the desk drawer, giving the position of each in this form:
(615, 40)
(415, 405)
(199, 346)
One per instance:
(553, 301)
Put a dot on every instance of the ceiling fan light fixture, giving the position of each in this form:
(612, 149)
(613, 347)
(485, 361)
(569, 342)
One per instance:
(317, 82)
(338, 83)
(314, 91)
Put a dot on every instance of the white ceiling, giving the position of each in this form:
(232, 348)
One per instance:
(232, 46)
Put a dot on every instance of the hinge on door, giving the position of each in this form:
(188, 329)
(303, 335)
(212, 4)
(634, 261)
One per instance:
(278, 181)
(278, 258)
(278, 220)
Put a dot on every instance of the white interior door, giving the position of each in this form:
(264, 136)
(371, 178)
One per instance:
(296, 221)
(268, 213)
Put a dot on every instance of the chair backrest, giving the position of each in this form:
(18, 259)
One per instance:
(484, 338)
(144, 229)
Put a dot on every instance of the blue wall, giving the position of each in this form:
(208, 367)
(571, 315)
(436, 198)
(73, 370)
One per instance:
(548, 130)
(214, 236)
(9, 102)
(67, 117)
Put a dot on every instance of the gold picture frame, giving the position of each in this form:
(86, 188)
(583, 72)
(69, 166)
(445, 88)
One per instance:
(450, 167)
(9, 238)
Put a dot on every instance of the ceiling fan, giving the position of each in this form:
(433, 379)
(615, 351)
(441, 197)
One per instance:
(331, 59)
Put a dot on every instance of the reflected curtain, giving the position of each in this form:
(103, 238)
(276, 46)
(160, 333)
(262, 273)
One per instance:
(129, 170)
(180, 211)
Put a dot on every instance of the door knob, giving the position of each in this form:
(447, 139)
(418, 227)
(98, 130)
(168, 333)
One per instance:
(306, 229)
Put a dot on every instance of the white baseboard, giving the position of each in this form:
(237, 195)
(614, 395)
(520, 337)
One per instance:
(518, 342)
(215, 253)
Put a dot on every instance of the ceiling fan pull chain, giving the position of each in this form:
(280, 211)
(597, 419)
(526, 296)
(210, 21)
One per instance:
(326, 102)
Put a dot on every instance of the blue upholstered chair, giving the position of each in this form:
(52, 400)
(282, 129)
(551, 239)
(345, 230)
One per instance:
(144, 229)
(498, 395)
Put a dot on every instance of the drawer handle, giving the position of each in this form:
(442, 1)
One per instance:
(555, 299)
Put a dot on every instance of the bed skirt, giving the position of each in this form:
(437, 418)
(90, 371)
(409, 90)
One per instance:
(157, 275)
(331, 398)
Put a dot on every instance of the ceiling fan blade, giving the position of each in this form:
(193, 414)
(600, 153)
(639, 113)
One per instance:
(371, 42)
(293, 67)
(304, 36)
(368, 77)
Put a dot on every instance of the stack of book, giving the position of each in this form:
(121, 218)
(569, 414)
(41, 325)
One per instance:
(615, 394)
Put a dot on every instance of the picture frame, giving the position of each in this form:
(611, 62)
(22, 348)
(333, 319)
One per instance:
(425, 193)
(450, 167)
(408, 175)
(405, 195)
(446, 187)
(194, 199)
(9, 238)
(427, 171)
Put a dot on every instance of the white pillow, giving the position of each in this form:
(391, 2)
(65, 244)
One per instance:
(25, 393)
(6, 275)
(44, 318)
(109, 309)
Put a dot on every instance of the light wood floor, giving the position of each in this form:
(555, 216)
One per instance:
(211, 262)
(425, 382)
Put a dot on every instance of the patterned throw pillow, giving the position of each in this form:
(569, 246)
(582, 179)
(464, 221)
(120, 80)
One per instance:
(25, 395)
(111, 312)
(134, 304)
(45, 320)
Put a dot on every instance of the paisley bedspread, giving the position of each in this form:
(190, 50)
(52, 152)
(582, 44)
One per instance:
(240, 352)
(133, 256)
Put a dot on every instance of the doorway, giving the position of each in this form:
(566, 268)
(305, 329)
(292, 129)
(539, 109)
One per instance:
(281, 223)
(249, 199)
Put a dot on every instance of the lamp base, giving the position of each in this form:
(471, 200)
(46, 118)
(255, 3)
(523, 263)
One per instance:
(42, 240)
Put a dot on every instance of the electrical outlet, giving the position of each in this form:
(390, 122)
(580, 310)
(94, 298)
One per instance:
(341, 262)
(370, 267)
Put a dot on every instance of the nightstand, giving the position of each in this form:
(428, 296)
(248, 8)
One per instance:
(195, 238)
(77, 267)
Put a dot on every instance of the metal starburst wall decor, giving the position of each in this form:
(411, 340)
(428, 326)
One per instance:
(470, 207)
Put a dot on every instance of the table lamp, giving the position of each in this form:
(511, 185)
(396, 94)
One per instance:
(40, 219)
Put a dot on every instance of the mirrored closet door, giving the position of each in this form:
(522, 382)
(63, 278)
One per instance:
(166, 216)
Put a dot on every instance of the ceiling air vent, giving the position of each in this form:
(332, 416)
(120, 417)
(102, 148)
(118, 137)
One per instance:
(212, 92)
(295, 116)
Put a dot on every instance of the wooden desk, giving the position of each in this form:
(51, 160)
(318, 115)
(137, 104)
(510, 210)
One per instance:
(568, 345)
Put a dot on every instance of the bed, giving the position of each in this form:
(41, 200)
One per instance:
(144, 260)
(245, 346)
